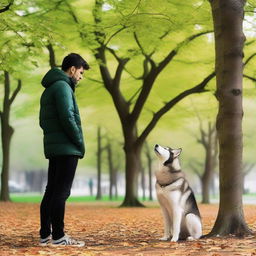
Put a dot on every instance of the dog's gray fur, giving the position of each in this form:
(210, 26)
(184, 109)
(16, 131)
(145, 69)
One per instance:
(181, 215)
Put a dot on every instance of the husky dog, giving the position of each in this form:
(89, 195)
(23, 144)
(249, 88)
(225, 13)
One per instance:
(180, 212)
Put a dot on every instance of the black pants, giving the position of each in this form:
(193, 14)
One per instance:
(61, 173)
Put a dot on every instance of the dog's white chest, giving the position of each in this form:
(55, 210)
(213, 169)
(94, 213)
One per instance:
(170, 197)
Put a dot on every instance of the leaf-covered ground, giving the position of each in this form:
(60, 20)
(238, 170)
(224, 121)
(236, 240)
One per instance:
(108, 230)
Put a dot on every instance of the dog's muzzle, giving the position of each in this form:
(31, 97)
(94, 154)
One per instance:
(156, 147)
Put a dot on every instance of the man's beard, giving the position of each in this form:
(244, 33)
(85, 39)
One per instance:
(74, 81)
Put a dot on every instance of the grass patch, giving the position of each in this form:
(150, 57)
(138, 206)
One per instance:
(36, 198)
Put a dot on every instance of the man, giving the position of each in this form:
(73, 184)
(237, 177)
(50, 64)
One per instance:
(63, 145)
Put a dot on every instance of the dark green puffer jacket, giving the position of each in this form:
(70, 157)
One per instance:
(59, 116)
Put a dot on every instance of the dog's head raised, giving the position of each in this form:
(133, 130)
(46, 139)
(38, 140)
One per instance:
(167, 155)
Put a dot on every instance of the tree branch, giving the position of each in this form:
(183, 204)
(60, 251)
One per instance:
(248, 168)
(134, 77)
(200, 88)
(148, 58)
(114, 34)
(7, 7)
(248, 59)
(154, 72)
(119, 70)
(174, 52)
(95, 80)
(52, 59)
(249, 42)
(44, 11)
(113, 53)
(16, 91)
(250, 77)
(134, 95)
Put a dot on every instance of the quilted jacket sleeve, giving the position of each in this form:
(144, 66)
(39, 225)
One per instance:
(66, 111)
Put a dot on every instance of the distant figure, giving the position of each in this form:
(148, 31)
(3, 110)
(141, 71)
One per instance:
(90, 184)
(63, 145)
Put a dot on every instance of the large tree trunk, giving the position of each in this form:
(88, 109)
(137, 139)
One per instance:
(7, 132)
(228, 19)
(6, 135)
(132, 167)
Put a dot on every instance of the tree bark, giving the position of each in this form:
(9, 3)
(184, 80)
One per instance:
(229, 40)
(6, 135)
(149, 161)
(7, 7)
(99, 153)
(143, 185)
(209, 141)
(132, 167)
(52, 58)
(115, 176)
(111, 171)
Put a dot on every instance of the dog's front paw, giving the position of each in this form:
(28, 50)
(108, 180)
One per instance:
(164, 238)
(190, 238)
(174, 239)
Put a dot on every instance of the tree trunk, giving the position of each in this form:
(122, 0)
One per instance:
(6, 135)
(143, 185)
(115, 182)
(229, 40)
(111, 171)
(7, 132)
(149, 160)
(132, 163)
(208, 139)
(99, 152)
(207, 175)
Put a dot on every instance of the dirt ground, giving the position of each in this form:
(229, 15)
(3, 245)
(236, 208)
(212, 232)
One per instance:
(108, 230)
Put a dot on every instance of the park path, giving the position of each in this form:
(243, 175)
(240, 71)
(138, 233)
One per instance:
(108, 230)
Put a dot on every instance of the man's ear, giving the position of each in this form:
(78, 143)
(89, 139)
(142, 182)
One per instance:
(176, 152)
(72, 70)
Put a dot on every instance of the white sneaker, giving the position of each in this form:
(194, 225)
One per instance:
(67, 240)
(45, 241)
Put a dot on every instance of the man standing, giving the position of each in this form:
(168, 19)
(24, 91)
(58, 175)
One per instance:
(63, 145)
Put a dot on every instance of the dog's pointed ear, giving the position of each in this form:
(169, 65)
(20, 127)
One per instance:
(176, 152)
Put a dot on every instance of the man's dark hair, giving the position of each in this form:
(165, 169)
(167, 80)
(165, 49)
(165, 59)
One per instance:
(74, 59)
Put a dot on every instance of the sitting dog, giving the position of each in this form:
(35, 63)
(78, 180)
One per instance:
(180, 212)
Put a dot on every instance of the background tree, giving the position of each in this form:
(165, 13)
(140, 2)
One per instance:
(149, 166)
(6, 133)
(247, 168)
(5, 7)
(113, 166)
(129, 110)
(229, 41)
(21, 37)
(100, 149)
(208, 139)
